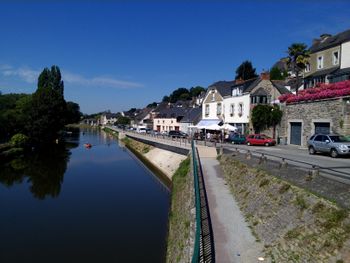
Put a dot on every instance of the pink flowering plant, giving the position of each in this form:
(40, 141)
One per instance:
(320, 91)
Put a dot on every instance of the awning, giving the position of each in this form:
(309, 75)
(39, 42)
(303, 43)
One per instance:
(205, 124)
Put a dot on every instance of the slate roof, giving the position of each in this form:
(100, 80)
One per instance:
(330, 41)
(192, 115)
(250, 84)
(322, 72)
(340, 72)
(223, 87)
(280, 85)
(171, 113)
(143, 114)
(259, 92)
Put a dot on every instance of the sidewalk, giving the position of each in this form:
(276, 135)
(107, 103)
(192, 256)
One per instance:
(232, 236)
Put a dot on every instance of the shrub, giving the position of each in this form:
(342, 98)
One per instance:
(19, 140)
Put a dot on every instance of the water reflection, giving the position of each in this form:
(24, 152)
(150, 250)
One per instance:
(44, 169)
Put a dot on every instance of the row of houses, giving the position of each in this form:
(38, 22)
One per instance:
(232, 101)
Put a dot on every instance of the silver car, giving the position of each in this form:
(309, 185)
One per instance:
(333, 144)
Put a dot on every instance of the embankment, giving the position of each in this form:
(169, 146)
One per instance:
(182, 213)
(293, 224)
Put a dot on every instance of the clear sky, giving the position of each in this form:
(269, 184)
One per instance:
(121, 54)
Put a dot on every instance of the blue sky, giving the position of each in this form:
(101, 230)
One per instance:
(121, 54)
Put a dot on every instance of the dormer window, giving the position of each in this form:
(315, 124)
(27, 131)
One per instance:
(335, 57)
(319, 62)
(213, 96)
(206, 110)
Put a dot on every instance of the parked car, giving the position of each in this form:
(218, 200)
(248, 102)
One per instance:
(260, 139)
(177, 134)
(235, 138)
(142, 130)
(333, 144)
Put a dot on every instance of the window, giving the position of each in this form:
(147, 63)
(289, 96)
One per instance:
(232, 109)
(171, 121)
(240, 109)
(206, 109)
(307, 67)
(218, 109)
(319, 62)
(213, 96)
(335, 57)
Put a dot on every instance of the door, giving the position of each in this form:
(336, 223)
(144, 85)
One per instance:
(177, 128)
(295, 133)
(158, 128)
(322, 127)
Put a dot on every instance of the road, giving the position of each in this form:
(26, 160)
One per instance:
(336, 167)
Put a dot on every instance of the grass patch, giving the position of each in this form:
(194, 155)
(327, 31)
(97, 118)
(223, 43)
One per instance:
(300, 201)
(334, 217)
(284, 188)
(264, 182)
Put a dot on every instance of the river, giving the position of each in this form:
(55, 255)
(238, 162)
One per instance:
(72, 204)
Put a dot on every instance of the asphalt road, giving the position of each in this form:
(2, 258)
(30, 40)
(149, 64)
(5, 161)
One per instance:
(335, 168)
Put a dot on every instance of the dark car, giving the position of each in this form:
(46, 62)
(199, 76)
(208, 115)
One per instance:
(260, 139)
(333, 144)
(177, 134)
(237, 138)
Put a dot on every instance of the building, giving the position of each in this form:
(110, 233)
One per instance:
(329, 60)
(168, 119)
(190, 119)
(108, 118)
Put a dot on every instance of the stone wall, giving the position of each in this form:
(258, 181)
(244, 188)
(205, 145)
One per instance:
(334, 111)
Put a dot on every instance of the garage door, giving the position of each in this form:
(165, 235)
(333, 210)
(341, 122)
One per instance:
(322, 127)
(295, 133)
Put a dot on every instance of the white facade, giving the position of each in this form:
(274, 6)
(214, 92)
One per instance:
(236, 109)
(345, 55)
(212, 107)
(165, 124)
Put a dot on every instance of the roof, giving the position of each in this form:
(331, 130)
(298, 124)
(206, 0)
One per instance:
(171, 113)
(322, 72)
(247, 85)
(259, 92)
(280, 85)
(192, 115)
(330, 41)
(340, 72)
(223, 87)
(111, 115)
(144, 112)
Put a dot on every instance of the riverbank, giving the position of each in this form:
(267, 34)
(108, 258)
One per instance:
(293, 225)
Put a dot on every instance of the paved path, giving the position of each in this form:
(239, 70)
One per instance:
(232, 236)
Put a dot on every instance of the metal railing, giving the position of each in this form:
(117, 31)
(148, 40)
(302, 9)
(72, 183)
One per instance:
(204, 240)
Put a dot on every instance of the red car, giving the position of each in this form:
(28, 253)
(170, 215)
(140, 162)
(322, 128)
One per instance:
(260, 139)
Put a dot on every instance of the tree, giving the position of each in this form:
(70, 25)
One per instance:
(73, 113)
(166, 99)
(123, 120)
(265, 116)
(246, 71)
(48, 107)
(152, 105)
(277, 74)
(179, 94)
(195, 91)
(297, 58)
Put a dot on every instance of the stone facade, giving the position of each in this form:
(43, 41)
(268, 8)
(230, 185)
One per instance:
(335, 111)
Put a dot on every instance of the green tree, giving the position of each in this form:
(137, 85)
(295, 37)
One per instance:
(152, 105)
(123, 120)
(179, 94)
(297, 58)
(166, 99)
(73, 113)
(277, 74)
(265, 116)
(195, 91)
(46, 116)
(246, 71)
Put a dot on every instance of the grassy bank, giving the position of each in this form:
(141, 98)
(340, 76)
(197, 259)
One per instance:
(293, 224)
(110, 131)
(181, 216)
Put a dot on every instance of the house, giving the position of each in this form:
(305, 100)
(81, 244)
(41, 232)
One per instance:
(191, 118)
(168, 119)
(232, 101)
(108, 118)
(144, 118)
(329, 60)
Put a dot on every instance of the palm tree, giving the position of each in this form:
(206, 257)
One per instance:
(297, 58)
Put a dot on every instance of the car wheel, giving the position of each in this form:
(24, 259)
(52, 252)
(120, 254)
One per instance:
(233, 142)
(248, 143)
(334, 153)
(311, 150)
(267, 144)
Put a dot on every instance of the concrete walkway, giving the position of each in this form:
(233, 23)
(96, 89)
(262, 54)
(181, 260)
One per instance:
(233, 239)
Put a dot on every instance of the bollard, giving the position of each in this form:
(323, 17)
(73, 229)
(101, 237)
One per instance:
(315, 171)
(221, 150)
(262, 159)
(248, 155)
(283, 164)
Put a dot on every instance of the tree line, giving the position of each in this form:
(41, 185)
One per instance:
(40, 116)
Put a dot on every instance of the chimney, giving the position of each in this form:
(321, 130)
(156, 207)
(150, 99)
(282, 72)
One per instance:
(265, 75)
(239, 81)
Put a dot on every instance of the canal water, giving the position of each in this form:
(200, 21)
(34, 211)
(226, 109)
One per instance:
(72, 204)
